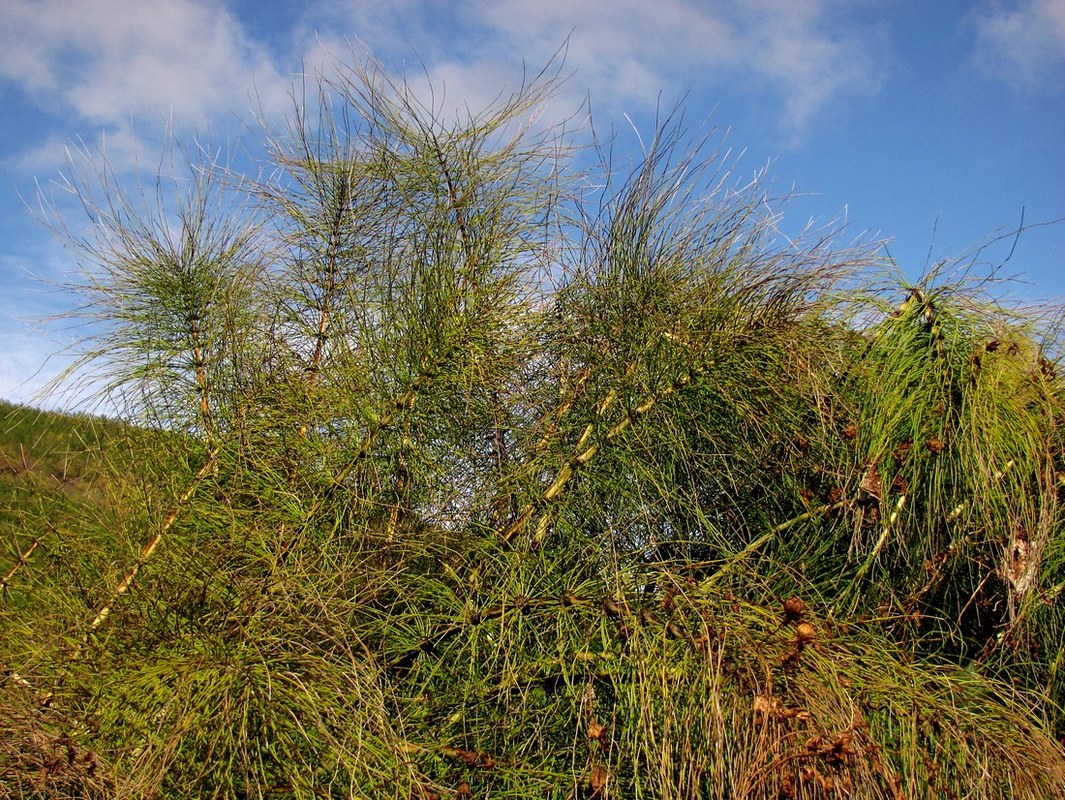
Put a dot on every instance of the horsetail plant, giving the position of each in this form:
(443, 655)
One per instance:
(484, 471)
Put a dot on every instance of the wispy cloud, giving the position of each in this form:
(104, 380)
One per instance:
(192, 60)
(798, 57)
(1022, 42)
(99, 63)
(808, 57)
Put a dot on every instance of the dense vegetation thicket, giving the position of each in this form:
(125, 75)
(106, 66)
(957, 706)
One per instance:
(459, 473)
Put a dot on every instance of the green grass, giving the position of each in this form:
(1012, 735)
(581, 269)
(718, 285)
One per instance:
(52, 458)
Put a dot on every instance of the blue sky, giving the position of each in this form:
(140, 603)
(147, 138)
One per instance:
(929, 124)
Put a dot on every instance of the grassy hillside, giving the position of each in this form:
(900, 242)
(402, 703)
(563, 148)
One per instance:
(53, 461)
(38, 445)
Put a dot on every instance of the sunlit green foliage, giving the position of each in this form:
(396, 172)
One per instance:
(468, 474)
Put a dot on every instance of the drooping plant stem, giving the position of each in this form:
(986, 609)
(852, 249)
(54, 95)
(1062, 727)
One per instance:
(153, 542)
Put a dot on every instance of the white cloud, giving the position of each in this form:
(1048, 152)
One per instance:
(808, 62)
(621, 47)
(117, 146)
(106, 60)
(101, 62)
(1022, 42)
(799, 56)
